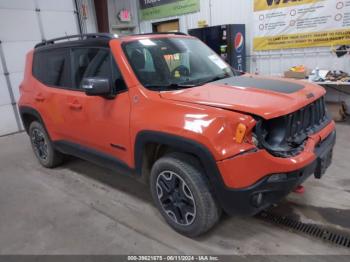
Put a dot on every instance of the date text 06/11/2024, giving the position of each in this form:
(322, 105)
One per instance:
(172, 258)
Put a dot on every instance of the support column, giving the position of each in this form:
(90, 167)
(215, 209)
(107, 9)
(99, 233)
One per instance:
(9, 87)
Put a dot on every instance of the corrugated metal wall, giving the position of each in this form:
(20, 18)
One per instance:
(217, 12)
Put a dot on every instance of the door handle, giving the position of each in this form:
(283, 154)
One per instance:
(39, 97)
(75, 105)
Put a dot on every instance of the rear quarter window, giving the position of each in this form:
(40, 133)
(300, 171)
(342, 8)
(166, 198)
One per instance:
(53, 67)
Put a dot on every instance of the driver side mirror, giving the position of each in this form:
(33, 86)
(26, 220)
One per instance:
(95, 86)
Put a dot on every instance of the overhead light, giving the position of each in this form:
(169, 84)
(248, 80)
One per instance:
(147, 42)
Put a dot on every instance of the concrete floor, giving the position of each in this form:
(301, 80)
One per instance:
(80, 208)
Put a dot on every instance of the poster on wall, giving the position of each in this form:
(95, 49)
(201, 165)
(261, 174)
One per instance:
(280, 24)
(155, 9)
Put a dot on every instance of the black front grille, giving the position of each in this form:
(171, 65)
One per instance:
(285, 136)
(305, 121)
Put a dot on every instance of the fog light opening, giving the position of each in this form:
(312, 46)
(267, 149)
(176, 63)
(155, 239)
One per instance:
(277, 178)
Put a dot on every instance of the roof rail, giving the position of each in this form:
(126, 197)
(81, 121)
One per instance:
(77, 37)
(162, 33)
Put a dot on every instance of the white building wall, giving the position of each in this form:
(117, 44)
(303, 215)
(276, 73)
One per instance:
(217, 12)
(122, 28)
(90, 21)
(23, 23)
(86, 8)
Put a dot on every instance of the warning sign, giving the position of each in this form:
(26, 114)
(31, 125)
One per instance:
(300, 23)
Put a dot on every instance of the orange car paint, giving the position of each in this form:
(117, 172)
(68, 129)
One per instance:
(208, 115)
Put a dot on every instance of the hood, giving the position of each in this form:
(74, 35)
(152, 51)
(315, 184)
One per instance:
(263, 96)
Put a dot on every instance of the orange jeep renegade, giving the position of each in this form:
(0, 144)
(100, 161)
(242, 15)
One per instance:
(166, 108)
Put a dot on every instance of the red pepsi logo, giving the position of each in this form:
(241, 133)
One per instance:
(239, 42)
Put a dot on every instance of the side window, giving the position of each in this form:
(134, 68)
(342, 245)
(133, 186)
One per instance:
(81, 58)
(95, 62)
(53, 67)
(39, 66)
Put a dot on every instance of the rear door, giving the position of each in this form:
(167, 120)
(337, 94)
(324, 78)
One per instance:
(55, 88)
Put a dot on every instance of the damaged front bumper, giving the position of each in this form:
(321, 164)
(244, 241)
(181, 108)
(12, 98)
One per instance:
(273, 187)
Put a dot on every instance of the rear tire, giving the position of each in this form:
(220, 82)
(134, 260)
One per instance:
(182, 194)
(43, 147)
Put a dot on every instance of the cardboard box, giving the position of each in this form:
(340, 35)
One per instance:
(337, 111)
(297, 75)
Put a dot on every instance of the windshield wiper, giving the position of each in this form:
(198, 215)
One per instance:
(177, 86)
(171, 86)
(237, 72)
(213, 79)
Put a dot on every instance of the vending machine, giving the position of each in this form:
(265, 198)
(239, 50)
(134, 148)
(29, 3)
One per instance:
(228, 41)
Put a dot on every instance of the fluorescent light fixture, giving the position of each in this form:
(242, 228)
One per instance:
(147, 42)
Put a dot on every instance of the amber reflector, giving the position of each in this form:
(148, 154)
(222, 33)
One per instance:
(240, 132)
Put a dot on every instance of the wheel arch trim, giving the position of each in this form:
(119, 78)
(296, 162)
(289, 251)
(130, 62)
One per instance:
(182, 144)
(23, 110)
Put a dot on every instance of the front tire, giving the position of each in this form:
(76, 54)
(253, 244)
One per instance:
(43, 147)
(182, 194)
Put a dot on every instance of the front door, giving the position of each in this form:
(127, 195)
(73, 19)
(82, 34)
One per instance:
(100, 123)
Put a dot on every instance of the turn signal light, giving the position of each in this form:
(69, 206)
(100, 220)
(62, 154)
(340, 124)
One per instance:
(240, 132)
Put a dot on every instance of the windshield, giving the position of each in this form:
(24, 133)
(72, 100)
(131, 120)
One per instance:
(175, 63)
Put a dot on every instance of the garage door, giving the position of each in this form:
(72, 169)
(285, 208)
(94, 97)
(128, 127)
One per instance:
(23, 23)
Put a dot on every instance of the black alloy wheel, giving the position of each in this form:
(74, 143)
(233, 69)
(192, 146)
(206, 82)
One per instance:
(176, 198)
